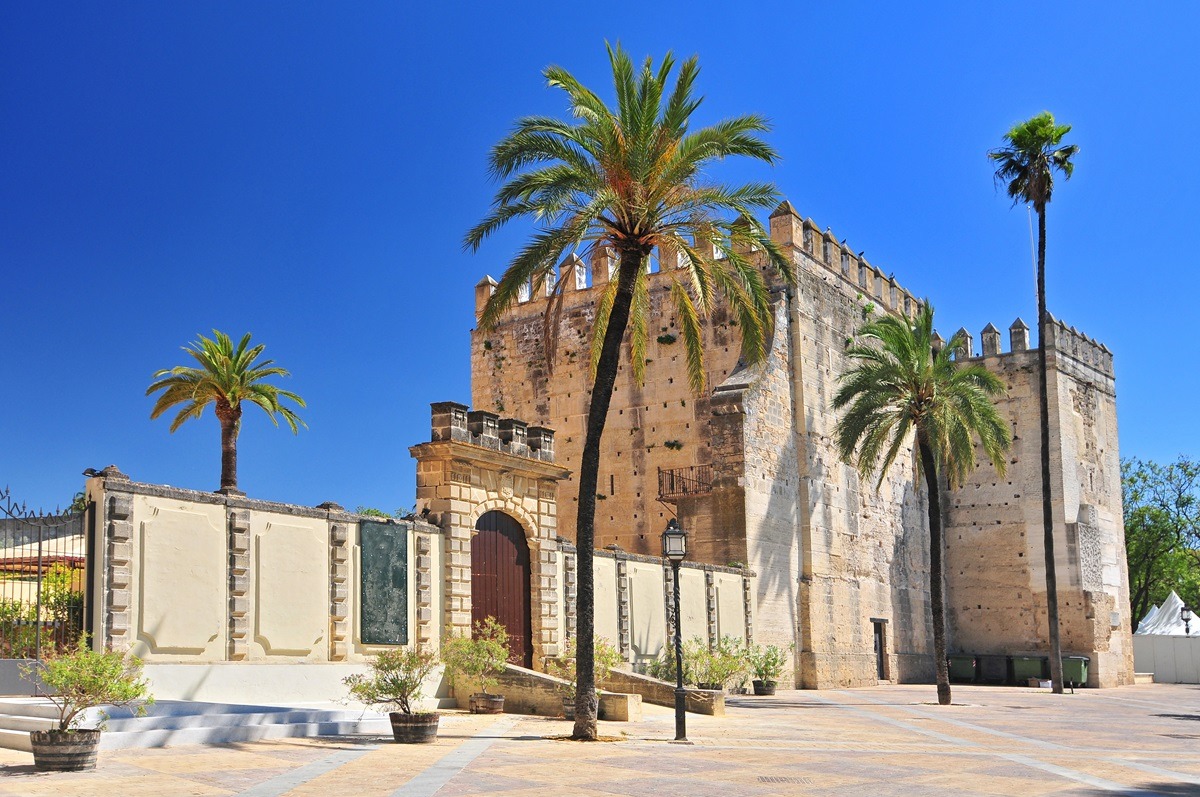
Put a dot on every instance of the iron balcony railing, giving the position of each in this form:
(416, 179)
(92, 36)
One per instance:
(676, 483)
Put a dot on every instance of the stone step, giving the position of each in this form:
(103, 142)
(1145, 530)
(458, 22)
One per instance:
(1143, 677)
(181, 722)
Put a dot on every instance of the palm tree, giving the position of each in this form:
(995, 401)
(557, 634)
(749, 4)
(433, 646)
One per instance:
(1032, 152)
(227, 377)
(900, 386)
(629, 179)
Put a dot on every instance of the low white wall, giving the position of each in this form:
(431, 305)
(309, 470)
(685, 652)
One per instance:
(1172, 659)
(265, 683)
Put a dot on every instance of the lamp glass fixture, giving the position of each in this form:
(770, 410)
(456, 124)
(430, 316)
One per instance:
(674, 542)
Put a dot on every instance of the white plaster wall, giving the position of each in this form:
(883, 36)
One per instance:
(605, 573)
(648, 617)
(289, 567)
(694, 621)
(179, 580)
(731, 616)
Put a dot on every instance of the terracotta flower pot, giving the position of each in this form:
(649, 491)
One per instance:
(64, 751)
(483, 703)
(419, 728)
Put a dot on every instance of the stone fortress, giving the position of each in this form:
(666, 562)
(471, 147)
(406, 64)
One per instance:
(751, 470)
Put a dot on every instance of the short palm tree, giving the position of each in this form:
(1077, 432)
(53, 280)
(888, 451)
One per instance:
(900, 389)
(228, 376)
(1033, 151)
(629, 179)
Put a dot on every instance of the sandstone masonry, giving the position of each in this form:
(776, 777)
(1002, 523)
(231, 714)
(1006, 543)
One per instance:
(751, 470)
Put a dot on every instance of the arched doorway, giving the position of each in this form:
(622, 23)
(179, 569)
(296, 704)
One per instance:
(500, 581)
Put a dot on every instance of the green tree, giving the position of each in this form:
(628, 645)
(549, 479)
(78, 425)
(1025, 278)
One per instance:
(228, 376)
(1033, 151)
(630, 179)
(899, 388)
(1162, 532)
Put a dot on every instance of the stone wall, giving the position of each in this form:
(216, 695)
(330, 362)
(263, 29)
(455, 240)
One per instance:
(995, 558)
(834, 556)
(194, 577)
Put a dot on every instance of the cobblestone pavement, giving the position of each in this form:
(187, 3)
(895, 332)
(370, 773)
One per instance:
(885, 741)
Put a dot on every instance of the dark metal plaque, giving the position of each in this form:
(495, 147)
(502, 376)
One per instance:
(384, 584)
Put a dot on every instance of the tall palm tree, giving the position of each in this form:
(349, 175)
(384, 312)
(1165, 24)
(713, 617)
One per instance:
(630, 179)
(901, 388)
(228, 376)
(1033, 151)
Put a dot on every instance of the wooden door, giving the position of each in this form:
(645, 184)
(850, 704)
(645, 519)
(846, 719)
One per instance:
(500, 581)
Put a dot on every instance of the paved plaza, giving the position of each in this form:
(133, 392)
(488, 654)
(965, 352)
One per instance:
(885, 741)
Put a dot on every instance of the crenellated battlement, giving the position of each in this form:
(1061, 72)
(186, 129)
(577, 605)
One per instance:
(1064, 340)
(824, 251)
(458, 422)
(810, 247)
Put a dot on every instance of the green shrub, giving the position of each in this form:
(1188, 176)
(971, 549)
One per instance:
(767, 662)
(480, 659)
(396, 679)
(84, 679)
(606, 657)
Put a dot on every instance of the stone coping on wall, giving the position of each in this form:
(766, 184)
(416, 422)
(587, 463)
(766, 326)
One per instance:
(116, 482)
(569, 547)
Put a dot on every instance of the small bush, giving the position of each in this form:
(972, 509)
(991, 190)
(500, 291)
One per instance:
(84, 679)
(396, 679)
(481, 658)
(606, 657)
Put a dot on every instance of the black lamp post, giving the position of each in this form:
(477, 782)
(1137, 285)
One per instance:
(674, 543)
(1185, 614)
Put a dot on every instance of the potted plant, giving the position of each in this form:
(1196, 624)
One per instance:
(767, 663)
(80, 680)
(396, 682)
(606, 657)
(479, 659)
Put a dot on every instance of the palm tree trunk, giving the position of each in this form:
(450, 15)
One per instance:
(229, 436)
(589, 472)
(1056, 678)
(937, 605)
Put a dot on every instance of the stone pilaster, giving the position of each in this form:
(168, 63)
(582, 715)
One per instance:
(545, 614)
(570, 588)
(239, 584)
(710, 607)
(118, 635)
(748, 606)
(425, 632)
(339, 590)
(669, 601)
(624, 632)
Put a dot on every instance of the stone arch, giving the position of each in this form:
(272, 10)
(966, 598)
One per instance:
(509, 507)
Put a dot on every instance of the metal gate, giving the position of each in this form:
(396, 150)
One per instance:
(43, 585)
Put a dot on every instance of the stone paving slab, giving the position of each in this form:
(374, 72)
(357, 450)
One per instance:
(878, 742)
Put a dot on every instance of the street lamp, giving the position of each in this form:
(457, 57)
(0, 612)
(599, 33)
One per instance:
(1185, 614)
(674, 547)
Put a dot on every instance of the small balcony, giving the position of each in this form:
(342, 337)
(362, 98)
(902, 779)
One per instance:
(676, 483)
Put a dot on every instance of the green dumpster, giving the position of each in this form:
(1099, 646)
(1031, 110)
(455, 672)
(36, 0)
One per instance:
(1075, 670)
(962, 668)
(1026, 667)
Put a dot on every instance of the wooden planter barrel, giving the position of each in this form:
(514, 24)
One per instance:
(764, 687)
(483, 703)
(419, 728)
(64, 751)
(569, 708)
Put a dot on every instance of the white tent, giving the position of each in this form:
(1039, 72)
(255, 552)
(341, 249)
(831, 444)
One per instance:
(1165, 620)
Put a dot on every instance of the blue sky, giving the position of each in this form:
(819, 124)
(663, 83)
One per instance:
(306, 172)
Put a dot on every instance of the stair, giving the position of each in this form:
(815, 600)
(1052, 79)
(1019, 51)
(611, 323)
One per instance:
(174, 722)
